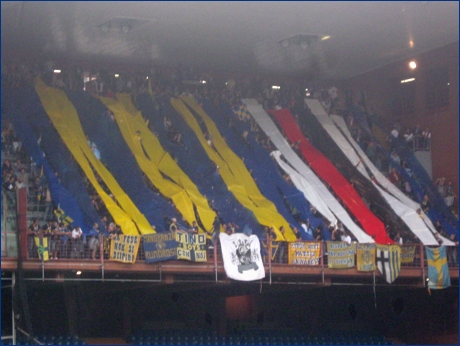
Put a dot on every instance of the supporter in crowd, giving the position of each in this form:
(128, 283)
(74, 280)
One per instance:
(77, 241)
(33, 231)
(426, 204)
(296, 232)
(346, 237)
(335, 232)
(194, 228)
(9, 187)
(215, 232)
(398, 239)
(94, 243)
(55, 244)
(394, 178)
(173, 226)
(318, 233)
(449, 195)
(441, 185)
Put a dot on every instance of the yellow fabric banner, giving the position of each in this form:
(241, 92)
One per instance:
(65, 119)
(304, 253)
(365, 257)
(191, 247)
(123, 248)
(340, 254)
(154, 160)
(407, 253)
(233, 171)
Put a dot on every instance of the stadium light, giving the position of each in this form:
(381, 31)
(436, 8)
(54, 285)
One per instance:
(408, 80)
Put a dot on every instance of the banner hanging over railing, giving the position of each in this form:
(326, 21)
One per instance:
(304, 253)
(160, 247)
(123, 248)
(191, 247)
(365, 257)
(340, 254)
(241, 255)
(407, 254)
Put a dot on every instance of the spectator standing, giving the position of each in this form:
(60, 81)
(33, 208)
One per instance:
(77, 241)
(94, 243)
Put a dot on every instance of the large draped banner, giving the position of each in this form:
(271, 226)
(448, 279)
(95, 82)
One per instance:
(304, 253)
(389, 261)
(191, 247)
(160, 247)
(123, 248)
(438, 271)
(340, 254)
(365, 257)
(241, 255)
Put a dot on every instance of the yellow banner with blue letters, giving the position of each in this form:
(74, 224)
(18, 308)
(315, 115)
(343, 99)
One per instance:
(123, 248)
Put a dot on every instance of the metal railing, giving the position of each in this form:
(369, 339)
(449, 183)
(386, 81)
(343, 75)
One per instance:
(70, 250)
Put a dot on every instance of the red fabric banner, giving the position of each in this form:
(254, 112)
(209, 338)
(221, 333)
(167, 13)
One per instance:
(328, 173)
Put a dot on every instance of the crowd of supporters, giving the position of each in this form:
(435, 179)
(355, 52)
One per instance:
(164, 83)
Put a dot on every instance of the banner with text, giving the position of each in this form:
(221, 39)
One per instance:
(123, 248)
(191, 247)
(304, 253)
(407, 254)
(160, 247)
(340, 255)
(365, 257)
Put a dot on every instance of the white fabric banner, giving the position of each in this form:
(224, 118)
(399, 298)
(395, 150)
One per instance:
(303, 185)
(241, 255)
(403, 206)
(324, 195)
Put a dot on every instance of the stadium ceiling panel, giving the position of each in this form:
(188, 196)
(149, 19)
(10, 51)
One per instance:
(323, 39)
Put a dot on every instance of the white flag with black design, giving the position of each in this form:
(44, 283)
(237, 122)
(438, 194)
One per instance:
(241, 255)
(388, 258)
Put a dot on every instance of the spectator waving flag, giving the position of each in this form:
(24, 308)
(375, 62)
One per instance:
(241, 255)
(389, 261)
(438, 271)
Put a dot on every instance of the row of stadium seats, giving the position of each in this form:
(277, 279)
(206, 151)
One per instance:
(47, 340)
(254, 338)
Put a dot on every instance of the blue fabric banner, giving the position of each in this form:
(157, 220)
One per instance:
(160, 247)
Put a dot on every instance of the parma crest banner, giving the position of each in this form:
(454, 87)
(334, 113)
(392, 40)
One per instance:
(123, 248)
(304, 253)
(365, 257)
(389, 261)
(42, 247)
(160, 247)
(241, 255)
(191, 247)
(407, 253)
(340, 254)
(438, 271)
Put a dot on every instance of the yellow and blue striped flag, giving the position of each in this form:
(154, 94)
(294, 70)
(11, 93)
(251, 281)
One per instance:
(438, 271)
